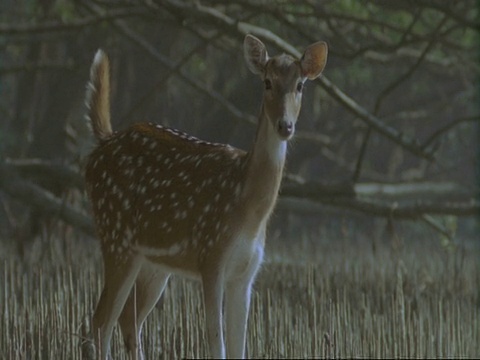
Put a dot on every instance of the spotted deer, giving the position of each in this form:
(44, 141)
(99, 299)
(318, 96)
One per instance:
(165, 202)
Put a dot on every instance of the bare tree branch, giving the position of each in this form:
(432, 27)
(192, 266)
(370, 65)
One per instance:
(408, 201)
(240, 29)
(413, 210)
(47, 171)
(43, 200)
(396, 136)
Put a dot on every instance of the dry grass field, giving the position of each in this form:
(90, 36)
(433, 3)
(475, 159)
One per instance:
(314, 298)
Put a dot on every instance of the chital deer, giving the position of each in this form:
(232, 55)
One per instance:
(165, 202)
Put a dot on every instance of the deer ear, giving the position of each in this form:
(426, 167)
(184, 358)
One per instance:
(314, 59)
(255, 54)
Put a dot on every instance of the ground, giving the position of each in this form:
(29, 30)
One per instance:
(314, 297)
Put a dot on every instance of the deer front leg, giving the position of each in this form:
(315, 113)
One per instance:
(237, 302)
(213, 288)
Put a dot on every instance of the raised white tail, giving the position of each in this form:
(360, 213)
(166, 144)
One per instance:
(165, 202)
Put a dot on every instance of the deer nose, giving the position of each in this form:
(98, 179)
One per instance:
(285, 128)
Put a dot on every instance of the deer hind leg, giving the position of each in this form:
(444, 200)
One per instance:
(148, 288)
(119, 278)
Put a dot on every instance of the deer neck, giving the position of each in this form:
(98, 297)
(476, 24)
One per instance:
(269, 151)
(265, 165)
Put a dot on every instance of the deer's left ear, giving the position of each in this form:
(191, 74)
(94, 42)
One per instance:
(314, 59)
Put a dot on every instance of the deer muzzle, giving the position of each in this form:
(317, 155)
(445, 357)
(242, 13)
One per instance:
(285, 129)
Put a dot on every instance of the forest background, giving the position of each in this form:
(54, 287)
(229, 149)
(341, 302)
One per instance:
(373, 248)
(390, 130)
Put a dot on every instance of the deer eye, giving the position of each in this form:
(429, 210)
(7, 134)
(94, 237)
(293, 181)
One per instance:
(268, 84)
(300, 86)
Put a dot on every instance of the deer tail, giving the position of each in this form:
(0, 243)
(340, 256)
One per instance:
(97, 97)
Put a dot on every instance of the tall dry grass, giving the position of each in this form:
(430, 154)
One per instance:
(313, 298)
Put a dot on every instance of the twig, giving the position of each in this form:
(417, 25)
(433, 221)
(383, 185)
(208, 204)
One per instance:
(53, 26)
(447, 127)
(411, 70)
(361, 155)
(430, 221)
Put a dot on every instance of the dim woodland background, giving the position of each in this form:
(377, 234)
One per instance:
(386, 144)
(390, 129)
